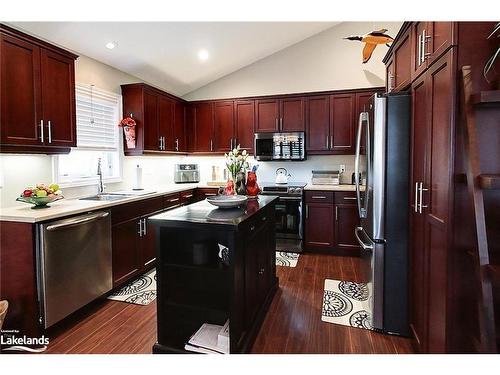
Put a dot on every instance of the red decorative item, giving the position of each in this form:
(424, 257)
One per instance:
(128, 124)
(252, 187)
(229, 190)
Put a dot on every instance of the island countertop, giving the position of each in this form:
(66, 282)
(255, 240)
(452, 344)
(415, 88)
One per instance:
(206, 214)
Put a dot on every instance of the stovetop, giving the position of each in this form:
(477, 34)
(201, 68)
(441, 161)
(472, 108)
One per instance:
(293, 188)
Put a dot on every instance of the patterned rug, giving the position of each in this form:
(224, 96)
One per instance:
(346, 303)
(141, 291)
(286, 259)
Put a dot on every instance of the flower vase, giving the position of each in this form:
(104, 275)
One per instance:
(241, 188)
(129, 133)
(252, 187)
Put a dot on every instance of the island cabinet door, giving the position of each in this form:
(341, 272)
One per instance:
(126, 257)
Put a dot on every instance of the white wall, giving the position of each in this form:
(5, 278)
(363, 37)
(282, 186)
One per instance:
(324, 61)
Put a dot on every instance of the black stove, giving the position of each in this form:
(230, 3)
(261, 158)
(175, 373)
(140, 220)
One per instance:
(289, 221)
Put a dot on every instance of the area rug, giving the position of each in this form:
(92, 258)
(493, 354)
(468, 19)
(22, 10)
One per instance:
(141, 291)
(346, 303)
(286, 259)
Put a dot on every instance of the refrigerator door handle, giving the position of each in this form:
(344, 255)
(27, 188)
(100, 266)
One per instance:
(360, 241)
(363, 116)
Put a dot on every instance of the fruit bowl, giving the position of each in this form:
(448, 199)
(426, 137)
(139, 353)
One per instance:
(39, 202)
(227, 201)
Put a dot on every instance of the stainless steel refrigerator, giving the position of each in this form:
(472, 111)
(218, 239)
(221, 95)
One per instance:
(383, 160)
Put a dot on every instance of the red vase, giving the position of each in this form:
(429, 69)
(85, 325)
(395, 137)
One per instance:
(252, 187)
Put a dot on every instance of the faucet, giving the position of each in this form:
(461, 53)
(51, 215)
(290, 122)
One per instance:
(100, 186)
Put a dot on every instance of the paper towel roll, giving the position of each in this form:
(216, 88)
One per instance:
(138, 178)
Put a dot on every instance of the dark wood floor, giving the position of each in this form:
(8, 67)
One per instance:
(292, 325)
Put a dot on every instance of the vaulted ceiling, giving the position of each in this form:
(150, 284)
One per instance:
(166, 53)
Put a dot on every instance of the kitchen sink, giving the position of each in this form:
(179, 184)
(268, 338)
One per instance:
(105, 197)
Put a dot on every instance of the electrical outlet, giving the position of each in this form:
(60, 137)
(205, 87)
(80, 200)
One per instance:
(342, 168)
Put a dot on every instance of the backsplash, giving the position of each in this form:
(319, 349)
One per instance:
(19, 171)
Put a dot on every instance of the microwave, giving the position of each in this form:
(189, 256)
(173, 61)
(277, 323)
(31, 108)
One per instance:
(280, 146)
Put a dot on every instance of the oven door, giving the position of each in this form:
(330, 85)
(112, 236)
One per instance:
(289, 218)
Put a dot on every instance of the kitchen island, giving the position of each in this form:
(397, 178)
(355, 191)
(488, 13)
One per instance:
(196, 286)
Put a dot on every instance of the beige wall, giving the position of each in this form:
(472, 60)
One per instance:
(324, 61)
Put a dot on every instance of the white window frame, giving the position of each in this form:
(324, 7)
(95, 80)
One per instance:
(94, 180)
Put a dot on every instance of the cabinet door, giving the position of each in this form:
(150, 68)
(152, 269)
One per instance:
(441, 36)
(346, 220)
(319, 225)
(440, 82)
(20, 91)
(58, 99)
(418, 254)
(402, 63)
(267, 115)
(245, 124)
(292, 115)
(389, 75)
(148, 243)
(126, 259)
(318, 123)
(342, 123)
(165, 123)
(224, 126)
(203, 127)
(418, 34)
(252, 297)
(179, 136)
(151, 126)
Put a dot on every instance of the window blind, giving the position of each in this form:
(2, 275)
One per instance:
(96, 118)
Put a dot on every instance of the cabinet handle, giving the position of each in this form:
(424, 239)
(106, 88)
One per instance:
(210, 194)
(331, 142)
(159, 143)
(425, 38)
(281, 123)
(140, 228)
(277, 126)
(188, 196)
(231, 145)
(318, 197)
(177, 144)
(327, 146)
(419, 50)
(350, 198)
(252, 228)
(421, 188)
(173, 200)
(416, 197)
(261, 271)
(307, 211)
(336, 213)
(264, 218)
(50, 132)
(41, 131)
(211, 145)
(144, 227)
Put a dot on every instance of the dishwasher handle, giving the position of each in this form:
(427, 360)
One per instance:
(84, 219)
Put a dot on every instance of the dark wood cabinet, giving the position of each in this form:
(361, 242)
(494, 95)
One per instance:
(401, 75)
(342, 107)
(126, 261)
(203, 127)
(330, 220)
(38, 95)
(245, 123)
(160, 119)
(224, 130)
(267, 113)
(318, 123)
(292, 112)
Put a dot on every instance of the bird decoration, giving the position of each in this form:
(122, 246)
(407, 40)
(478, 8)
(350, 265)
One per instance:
(371, 41)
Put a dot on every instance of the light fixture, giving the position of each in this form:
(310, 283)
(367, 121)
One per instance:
(110, 45)
(203, 54)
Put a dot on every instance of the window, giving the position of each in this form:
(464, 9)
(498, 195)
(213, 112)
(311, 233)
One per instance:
(97, 115)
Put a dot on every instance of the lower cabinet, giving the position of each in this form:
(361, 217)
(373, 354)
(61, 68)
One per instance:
(330, 219)
(126, 262)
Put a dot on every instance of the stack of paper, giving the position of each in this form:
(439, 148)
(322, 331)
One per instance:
(206, 339)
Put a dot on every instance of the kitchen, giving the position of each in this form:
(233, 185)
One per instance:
(133, 166)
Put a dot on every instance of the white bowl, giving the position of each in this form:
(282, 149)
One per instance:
(227, 201)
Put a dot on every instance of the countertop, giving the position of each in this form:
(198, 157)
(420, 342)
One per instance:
(205, 213)
(341, 187)
(23, 212)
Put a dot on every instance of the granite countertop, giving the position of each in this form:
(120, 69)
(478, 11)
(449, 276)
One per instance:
(341, 187)
(205, 213)
(23, 212)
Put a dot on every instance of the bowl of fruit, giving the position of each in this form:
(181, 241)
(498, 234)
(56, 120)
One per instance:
(41, 195)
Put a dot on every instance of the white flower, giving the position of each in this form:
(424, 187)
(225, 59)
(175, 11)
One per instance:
(244, 153)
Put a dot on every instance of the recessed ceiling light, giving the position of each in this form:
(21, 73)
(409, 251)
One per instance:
(110, 45)
(203, 54)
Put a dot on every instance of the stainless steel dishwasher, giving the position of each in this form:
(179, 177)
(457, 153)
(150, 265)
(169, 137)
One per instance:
(74, 264)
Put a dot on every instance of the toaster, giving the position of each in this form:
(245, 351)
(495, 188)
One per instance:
(186, 173)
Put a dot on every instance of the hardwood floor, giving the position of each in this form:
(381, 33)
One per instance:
(292, 325)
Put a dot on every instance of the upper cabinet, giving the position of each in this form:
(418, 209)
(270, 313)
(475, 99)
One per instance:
(202, 127)
(245, 123)
(280, 115)
(342, 107)
(160, 119)
(224, 139)
(37, 95)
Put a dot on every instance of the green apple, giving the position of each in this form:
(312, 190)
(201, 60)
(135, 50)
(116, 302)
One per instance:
(54, 187)
(41, 193)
